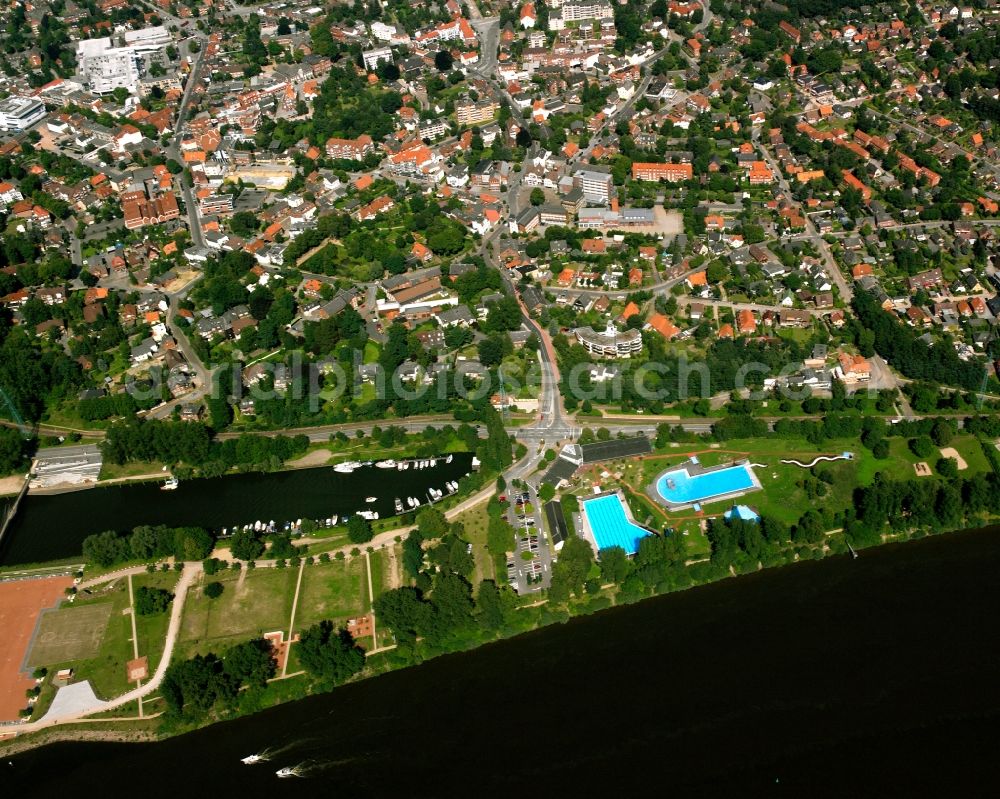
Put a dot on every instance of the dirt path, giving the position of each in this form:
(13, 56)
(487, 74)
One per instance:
(318, 457)
(11, 485)
(395, 574)
(291, 621)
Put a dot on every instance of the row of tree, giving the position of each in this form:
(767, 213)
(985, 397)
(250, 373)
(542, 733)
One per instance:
(148, 543)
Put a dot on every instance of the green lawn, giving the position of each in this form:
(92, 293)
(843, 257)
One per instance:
(336, 590)
(152, 630)
(261, 604)
(476, 521)
(784, 496)
(106, 669)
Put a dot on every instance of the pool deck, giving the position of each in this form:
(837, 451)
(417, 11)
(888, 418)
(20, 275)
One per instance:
(694, 469)
(588, 533)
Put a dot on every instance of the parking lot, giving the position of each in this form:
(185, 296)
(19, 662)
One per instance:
(529, 567)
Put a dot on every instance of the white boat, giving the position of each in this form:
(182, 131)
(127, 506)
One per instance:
(333, 520)
(170, 484)
(448, 459)
(346, 467)
(368, 514)
(399, 505)
(371, 499)
(287, 771)
(390, 464)
(249, 760)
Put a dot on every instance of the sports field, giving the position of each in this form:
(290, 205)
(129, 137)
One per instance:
(69, 634)
(21, 601)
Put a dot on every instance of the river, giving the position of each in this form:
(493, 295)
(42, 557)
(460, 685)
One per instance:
(52, 527)
(837, 677)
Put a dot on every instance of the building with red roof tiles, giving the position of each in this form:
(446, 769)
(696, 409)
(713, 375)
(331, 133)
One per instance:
(662, 325)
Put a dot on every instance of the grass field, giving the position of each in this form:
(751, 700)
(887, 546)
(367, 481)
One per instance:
(105, 668)
(476, 520)
(253, 602)
(336, 590)
(70, 633)
(152, 630)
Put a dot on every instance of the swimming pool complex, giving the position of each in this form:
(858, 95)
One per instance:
(680, 487)
(610, 525)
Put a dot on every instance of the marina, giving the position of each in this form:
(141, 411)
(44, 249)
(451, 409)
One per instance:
(276, 501)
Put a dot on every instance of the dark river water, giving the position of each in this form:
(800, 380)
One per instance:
(52, 527)
(875, 676)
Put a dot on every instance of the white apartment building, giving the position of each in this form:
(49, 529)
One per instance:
(595, 182)
(373, 58)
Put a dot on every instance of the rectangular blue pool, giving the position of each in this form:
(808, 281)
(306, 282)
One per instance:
(610, 525)
(678, 487)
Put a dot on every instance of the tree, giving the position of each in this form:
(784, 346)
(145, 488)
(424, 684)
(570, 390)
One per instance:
(244, 223)
(192, 543)
(947, 468)
(942, 432)
(443, 61)
(570, 572)
(213, 590)
(11, 450)
(922, 447)
(452, 601)
(614, 564)
(329, 654)
(537, 196)
(413, 553)
(546, 493)
(404, 612)
(151, 601)
(432, 523)
(104, 549)
(359, 530)
(246, 545)
(251, 663)
(490, 605)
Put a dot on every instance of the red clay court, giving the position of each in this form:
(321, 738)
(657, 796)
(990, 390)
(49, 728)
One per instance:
(21, 602)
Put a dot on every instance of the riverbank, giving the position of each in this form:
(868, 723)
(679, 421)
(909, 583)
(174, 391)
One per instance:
(814, 679)
(535, 616)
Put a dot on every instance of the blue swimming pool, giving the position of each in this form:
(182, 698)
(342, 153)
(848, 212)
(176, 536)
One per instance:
(680, 488)
(610, 526)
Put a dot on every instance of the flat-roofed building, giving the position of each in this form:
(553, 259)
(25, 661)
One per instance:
(20, 113)
(610, 343)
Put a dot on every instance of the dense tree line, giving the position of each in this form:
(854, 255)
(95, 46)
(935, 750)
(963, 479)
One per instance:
(100, 408)
(904, 349)
(191, 443)
(152, 601)
(330, 655)
(14, 449)
(902, 505)
(191, 688)
(147, 543)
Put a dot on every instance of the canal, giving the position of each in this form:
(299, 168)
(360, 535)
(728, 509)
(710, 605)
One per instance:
(52, 527)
